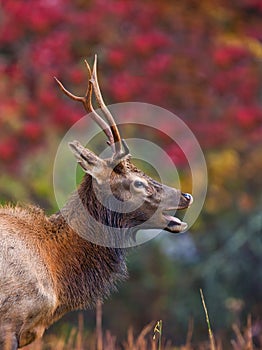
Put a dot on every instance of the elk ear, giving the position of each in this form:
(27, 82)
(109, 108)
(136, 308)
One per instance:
(89, 161)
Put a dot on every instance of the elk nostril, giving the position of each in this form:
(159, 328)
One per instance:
(188, 196)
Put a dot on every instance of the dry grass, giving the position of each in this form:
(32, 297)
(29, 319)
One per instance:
(79, 339)
(150, 338)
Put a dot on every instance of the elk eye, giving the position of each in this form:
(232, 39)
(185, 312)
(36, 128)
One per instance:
(139, 184)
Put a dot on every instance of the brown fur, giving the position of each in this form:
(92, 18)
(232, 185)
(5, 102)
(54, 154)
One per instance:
(47, 270)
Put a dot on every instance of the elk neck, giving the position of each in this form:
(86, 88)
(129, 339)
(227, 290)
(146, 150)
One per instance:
(83, 270)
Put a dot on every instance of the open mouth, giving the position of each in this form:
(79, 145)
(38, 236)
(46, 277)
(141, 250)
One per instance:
(172, 223)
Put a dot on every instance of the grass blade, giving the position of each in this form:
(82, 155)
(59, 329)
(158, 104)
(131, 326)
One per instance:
(210, 333)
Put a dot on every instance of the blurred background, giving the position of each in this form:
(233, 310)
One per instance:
(202, 61)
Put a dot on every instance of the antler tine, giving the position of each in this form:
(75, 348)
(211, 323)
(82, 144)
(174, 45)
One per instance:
(105, 110)
(87, 102)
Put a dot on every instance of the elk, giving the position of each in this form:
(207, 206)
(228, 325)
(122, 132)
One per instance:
(48, 266)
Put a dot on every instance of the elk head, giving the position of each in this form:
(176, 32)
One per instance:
(136, 200)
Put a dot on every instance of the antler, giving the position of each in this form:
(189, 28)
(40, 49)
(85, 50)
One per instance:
(87, 102)
(110, 129)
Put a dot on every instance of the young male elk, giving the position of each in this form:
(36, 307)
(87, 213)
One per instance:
(48, 266)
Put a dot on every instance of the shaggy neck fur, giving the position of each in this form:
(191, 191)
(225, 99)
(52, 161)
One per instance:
(84, 270)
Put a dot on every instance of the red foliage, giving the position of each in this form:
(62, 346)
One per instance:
(116, 57)
(170, 54)
(8, 150)
(248, 117)
(32, 131)
(226, 56)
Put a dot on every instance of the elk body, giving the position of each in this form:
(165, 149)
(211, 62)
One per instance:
(48, 266)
